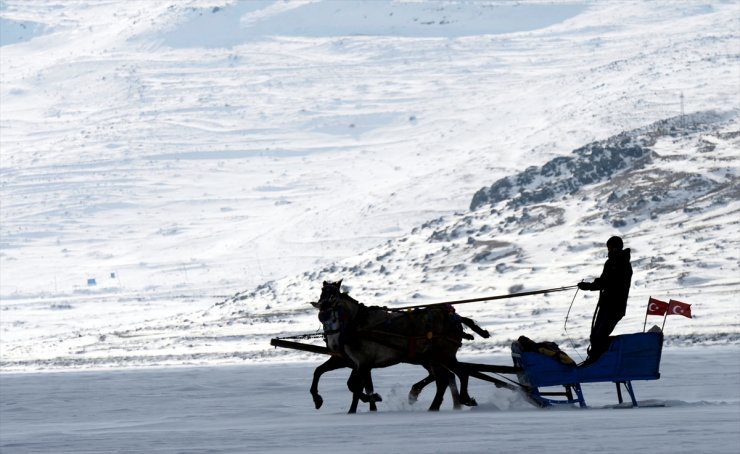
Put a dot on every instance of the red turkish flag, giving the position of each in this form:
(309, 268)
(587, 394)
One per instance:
(656, 307)
(679, 308)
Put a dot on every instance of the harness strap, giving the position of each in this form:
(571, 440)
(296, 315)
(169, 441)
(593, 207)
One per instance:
(410, 344)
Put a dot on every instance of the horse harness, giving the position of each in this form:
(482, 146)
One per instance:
(336, 320)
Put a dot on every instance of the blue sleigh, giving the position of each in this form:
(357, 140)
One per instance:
(630, 357)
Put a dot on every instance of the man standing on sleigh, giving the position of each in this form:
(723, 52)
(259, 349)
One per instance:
(614, 287)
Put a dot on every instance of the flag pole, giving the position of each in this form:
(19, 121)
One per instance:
(662, 328)
(644, 325)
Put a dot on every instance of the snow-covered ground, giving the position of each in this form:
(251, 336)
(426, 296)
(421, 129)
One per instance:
(694, 407)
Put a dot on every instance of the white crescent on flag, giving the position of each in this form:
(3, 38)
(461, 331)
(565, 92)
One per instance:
(679, 308)
(653, 307)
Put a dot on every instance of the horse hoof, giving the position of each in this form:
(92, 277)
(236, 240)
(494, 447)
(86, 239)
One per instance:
(318, 401)
(413, 395)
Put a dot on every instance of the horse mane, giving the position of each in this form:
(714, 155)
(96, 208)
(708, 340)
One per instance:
(346, 295)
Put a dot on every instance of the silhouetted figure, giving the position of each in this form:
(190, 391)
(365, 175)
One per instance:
(614, 285)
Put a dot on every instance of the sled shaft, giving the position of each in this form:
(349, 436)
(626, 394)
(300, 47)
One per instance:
(277, 342)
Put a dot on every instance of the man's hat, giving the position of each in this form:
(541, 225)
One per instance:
(615, 242)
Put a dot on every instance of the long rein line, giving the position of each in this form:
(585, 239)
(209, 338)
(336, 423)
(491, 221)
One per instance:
(567, 336)
(487, 298)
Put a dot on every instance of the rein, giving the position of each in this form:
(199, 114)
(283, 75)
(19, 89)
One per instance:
(489, 298)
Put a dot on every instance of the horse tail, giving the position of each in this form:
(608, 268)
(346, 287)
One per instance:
(472, 325)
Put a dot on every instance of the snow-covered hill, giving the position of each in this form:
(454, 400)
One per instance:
(176, 179)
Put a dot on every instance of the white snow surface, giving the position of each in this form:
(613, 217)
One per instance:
(177, 178)
(694, 407)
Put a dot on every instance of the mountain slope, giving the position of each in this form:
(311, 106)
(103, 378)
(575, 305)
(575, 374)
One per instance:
(519, 241)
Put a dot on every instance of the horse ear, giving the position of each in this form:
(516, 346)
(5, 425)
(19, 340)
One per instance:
(315, 304)
(339, 283)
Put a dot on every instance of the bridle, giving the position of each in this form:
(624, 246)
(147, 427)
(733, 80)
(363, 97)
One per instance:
(329, 319)
(336, 314)
(329, 315)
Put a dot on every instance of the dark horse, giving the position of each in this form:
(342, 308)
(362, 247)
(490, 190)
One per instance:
(378, 337)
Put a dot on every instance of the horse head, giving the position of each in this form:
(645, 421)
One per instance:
(334, 328)
(330, 291)
(337, 312)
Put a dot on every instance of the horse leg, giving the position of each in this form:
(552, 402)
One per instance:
(369, 389)
(333, 363)
(418, 386)
(352, 383)
(464, 376)
(367, 384)
(465, 398)
(441, 377)
(454, 392)
(353, 406)
(359, 380)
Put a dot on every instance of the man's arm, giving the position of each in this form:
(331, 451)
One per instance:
(595, 285)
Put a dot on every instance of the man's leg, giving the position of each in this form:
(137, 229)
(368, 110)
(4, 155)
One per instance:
(603, 327)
